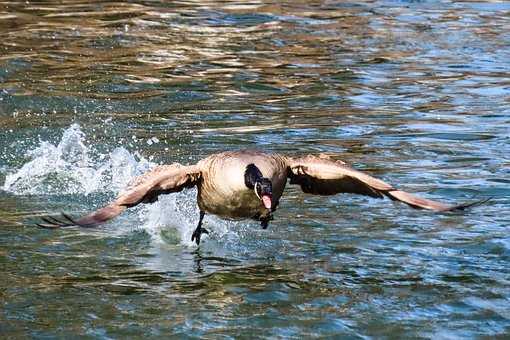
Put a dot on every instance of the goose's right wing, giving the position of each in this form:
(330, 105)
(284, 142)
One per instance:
(146, 188)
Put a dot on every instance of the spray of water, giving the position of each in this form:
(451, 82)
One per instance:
(70, 168)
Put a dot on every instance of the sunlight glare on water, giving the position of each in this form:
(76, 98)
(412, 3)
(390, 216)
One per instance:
(416, 93)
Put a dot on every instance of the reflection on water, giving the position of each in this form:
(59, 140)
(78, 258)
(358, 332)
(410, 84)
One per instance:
(416, 92)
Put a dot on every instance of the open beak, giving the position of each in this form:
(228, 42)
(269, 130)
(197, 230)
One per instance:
(266, 200)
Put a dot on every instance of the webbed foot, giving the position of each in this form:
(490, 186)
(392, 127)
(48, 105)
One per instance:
(197, 234)
(264, 222)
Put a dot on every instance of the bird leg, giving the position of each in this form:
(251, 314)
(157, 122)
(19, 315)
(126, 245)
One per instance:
(264, 221)
(199, 230)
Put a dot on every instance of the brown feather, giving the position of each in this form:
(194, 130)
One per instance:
(222, 189)
(418, 202)
(146, 188)
(101, 215)
(324, 176)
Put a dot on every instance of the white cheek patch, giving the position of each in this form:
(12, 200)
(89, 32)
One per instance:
(255, 189)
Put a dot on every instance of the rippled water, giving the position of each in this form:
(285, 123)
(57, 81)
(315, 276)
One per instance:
(415, 92)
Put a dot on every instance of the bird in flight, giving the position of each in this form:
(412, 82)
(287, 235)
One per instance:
(247, 184)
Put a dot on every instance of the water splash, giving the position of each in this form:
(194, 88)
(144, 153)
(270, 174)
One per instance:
(173, 219)
(70, 167)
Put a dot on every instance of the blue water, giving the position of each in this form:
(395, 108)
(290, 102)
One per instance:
(413, 92)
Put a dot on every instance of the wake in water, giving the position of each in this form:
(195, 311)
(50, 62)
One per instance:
(70, 168)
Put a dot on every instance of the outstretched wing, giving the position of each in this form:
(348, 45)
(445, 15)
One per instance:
(324, 176)
(146, 188)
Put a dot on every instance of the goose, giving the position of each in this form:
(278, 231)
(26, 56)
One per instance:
(247, 184)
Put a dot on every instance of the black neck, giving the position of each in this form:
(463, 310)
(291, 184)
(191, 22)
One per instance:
(252, 175)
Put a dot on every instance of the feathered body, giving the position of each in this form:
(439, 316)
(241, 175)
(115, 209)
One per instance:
(248, 184)
(222, 190)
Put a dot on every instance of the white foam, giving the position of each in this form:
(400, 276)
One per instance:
(178, 214)
(67, 168)
(71, 168)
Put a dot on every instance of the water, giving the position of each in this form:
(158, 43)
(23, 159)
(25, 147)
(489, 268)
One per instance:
(415, 92)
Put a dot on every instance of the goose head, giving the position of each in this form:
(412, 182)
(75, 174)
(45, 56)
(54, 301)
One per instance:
(261, 186)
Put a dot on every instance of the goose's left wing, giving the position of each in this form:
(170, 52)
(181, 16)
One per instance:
(324, 176)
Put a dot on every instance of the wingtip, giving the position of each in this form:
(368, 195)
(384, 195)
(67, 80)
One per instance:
(465, 206)
(46, 226)
(55, 223)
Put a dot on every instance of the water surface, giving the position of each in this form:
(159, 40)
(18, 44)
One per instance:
(414, 92)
